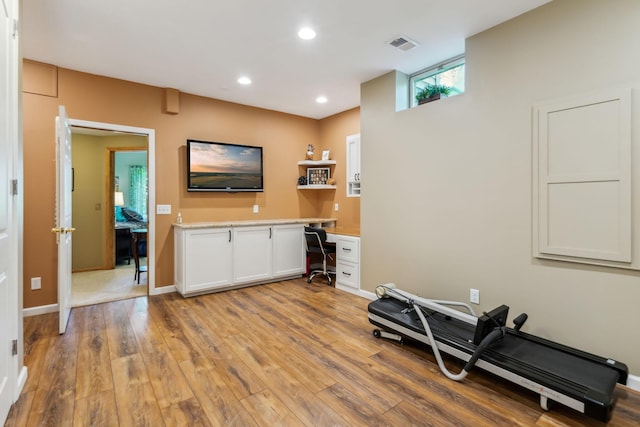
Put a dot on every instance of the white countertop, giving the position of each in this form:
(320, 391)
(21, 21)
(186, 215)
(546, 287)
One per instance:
(254, 222)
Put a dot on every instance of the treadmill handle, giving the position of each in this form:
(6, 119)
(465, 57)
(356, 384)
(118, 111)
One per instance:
(494, 335)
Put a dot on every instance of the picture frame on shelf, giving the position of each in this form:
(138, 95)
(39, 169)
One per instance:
(326, 154)
(318, 176)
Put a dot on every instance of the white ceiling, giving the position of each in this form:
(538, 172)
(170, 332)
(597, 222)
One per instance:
(202, 46)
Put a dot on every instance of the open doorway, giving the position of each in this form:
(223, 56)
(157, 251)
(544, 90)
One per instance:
(109, 168)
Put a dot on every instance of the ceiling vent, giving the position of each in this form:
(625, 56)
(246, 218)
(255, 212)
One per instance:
(403, 43)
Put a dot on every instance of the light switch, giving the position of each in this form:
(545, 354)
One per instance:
(163, 209)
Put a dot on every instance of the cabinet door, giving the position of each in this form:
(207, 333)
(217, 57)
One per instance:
(207, 259)
(288, 250)
(353, 165)
(252, 254)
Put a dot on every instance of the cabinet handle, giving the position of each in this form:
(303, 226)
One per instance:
(229, 236)
(344, 273)
(270, 232)
(346, 249)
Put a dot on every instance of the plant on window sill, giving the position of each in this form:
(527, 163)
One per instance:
(432, 92)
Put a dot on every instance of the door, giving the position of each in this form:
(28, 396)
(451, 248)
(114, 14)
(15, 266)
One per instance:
(288, 250)
(63, 228)
(207, 259)
(7, 278)
(251, 254)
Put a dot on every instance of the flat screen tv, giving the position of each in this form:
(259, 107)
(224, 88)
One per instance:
(219, 166)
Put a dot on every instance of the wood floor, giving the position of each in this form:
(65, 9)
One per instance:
(284, 354)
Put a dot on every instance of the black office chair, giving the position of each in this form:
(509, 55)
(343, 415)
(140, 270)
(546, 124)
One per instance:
(139, 249)
(316, 241)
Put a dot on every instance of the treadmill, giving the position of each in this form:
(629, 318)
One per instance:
(571, 377)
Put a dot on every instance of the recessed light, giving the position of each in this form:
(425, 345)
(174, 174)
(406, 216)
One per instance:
(306, 33)
(321, 99)
(244, 80)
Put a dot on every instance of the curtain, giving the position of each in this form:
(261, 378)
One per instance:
(138, 189)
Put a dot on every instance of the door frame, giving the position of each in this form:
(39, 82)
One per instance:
(151, 176)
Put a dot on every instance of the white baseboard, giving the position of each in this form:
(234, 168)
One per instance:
(163, 290)
(41, 309)
(22, 380)
(633, 382)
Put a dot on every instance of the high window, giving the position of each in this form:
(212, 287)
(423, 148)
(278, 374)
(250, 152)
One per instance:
(448, 73)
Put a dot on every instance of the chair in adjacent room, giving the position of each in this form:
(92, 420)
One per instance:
(317, 245)
(139, 249)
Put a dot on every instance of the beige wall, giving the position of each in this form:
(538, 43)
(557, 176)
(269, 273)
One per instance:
(95, 98)
(452, 210)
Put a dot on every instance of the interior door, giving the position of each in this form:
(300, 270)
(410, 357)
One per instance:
(63, 227)
(6, 227)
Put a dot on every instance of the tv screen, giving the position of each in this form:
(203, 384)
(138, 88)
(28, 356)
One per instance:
(218, 166)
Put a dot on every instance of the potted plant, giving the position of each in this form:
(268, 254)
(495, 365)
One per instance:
(432, 92)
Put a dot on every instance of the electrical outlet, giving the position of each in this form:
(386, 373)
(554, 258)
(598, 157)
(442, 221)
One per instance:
(163, 209)
(337, 207)
(256, 208)
(36, 283)
(474, 296)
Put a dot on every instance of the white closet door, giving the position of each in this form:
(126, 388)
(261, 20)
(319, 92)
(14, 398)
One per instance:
(583, 203)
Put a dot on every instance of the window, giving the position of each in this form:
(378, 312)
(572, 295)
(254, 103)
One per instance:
(449, 73)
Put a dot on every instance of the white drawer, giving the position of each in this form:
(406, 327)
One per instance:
(347, 274)
(348, 249)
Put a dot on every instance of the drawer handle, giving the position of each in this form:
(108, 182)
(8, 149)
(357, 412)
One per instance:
(344, 273)
(346, 249)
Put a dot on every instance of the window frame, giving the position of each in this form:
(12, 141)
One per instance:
(431, 71)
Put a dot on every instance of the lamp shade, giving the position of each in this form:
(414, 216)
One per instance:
(118, 200)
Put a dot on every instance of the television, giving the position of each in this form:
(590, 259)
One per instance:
(219, 166)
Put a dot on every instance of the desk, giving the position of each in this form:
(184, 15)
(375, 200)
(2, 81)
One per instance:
(139, 236)
(347, 241)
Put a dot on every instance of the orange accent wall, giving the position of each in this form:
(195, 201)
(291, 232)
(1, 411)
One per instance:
(101, 99)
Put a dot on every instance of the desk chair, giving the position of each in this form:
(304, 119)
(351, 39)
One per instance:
(316, 242)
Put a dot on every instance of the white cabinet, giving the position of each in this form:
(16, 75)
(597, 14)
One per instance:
(347, 261)
(288, 250)
(215, 258)
(353, 165)
(251, 254)
(203, 259)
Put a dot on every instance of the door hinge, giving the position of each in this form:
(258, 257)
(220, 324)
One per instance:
(15, 28)
(14, 347)
(14, 187)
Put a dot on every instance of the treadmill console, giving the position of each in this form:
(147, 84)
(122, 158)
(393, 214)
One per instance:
(496, 318)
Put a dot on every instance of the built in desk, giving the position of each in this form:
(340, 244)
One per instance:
(347, 240)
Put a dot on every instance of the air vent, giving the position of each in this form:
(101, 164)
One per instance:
(403, 43)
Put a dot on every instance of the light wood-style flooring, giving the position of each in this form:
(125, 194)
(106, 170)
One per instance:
(283, 354)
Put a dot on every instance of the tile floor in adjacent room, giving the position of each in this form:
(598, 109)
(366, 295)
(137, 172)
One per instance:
(94, 287)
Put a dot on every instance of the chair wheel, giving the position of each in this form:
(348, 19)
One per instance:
(309, 280)
(376, 333)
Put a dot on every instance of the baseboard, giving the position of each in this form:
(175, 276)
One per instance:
(365, 294)
(41, 309)
(163, 290)
(22, 380)
(633, 382)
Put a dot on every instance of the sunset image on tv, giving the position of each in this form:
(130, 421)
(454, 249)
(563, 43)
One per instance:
(224, 166)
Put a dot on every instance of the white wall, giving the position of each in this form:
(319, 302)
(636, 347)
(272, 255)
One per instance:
(446, 202)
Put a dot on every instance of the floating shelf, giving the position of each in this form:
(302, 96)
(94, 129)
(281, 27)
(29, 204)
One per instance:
(316, 162)
(316, 187)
